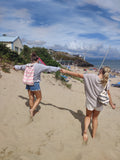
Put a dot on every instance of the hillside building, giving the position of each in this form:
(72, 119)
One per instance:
(14, 43)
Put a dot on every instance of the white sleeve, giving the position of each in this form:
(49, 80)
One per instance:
(20, 67)
(108, 85)
(44, 68)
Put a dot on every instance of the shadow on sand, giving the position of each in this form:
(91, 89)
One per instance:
(79, 115)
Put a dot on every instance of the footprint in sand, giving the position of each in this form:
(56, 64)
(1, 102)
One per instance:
(49, 134)
(7, 152)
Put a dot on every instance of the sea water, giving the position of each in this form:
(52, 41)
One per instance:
(114, 64)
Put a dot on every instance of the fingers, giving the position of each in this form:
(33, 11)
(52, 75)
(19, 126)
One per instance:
(113, 106)
(62, 70)
(14, 68)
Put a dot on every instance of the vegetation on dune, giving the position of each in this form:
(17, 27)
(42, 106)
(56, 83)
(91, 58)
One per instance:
(59, 77)
(45, 56)
(9, 57)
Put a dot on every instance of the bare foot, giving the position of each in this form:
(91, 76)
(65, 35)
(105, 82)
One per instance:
(31, 113)
(85, 137)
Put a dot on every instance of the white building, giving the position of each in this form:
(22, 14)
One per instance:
(14, 43)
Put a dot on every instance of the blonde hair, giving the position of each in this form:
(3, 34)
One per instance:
(105, 71)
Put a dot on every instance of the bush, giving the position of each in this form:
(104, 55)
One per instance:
(8, 56)
(45, 56)
(5, 68)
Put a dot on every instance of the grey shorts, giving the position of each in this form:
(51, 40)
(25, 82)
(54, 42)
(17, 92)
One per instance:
(91, 108)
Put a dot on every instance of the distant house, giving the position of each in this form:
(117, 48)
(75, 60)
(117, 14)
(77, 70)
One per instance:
(14, 43)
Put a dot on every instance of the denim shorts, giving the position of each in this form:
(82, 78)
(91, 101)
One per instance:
(35, 87)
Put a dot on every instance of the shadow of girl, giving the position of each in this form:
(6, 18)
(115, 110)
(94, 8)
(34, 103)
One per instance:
(77, 115)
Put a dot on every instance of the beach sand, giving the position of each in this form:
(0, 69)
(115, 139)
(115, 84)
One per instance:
(56, 130)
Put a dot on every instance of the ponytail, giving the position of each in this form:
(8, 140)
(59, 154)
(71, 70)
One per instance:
(105, 71)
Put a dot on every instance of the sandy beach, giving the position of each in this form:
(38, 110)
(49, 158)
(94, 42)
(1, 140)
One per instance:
(56, 130)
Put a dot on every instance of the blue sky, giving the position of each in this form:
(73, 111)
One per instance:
(87, 27)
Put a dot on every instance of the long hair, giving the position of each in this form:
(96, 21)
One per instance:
(105, 71)
(34, 57)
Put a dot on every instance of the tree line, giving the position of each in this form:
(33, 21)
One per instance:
(12, 57)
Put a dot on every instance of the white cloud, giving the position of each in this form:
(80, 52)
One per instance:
(112, 5)
(35, 42)
(64, 34)
(20, 16)
(116, 17)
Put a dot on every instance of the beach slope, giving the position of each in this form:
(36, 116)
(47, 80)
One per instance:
(56, 130)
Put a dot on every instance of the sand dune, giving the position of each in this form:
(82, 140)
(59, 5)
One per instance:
(56, 130)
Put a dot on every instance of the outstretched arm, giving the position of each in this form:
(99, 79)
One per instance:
(110, 100)
(43, 68)
(19, 67)
(71, 73)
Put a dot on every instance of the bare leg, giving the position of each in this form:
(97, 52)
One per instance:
(86, 124)
(95, 122)
(31, 98)
(36, 103)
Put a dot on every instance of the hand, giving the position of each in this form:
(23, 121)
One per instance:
(113, 106)
(14, 68)
(63, 71)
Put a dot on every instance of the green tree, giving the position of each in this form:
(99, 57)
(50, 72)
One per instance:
(26, 54)
(45, 56)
